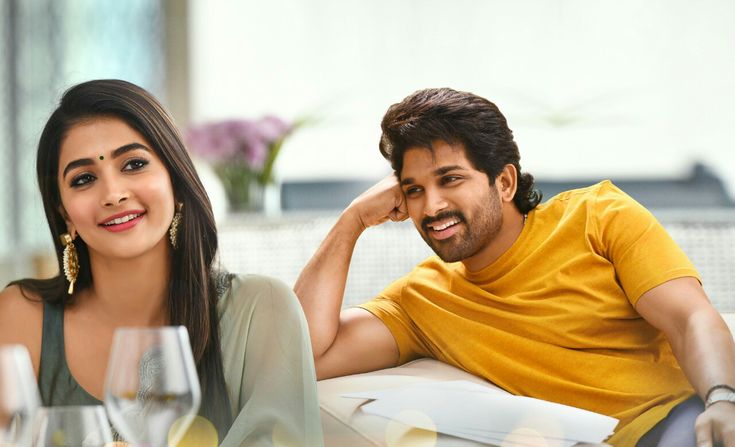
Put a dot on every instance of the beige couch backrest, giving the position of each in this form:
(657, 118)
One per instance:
(281, 246)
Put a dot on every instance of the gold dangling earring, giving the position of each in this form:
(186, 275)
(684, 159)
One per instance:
(173, 230)
(71, 261)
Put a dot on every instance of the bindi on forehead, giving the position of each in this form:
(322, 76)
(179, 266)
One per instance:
(115, 154)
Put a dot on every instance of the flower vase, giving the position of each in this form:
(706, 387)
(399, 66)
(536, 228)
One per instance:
(255, 201)
(244, 192)
(253, 197)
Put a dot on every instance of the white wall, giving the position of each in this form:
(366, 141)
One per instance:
(590, 88)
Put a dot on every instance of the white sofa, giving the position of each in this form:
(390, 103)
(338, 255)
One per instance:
(281, 246)
(346, 425)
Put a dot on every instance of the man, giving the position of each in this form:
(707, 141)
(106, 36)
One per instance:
(584, 300)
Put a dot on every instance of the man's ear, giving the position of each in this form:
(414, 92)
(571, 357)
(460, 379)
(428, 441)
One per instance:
(507, 183)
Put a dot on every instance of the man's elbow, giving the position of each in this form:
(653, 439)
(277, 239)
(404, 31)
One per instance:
(323, 371)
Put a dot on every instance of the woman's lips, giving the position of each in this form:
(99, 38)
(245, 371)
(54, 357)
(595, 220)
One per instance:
(122, 226)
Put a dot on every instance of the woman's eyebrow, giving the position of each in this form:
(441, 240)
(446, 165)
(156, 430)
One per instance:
(77, 163)
(127, 148)
(115, 154)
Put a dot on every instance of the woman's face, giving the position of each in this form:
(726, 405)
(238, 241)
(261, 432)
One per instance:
(115, 191)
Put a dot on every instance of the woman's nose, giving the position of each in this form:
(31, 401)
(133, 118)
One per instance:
(115, 194)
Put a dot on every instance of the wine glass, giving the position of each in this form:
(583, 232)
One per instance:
(73, 426)
(19, 397)
(152, 390)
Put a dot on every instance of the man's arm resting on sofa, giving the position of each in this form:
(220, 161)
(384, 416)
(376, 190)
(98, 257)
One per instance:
(363, 343)
(703, 345)
(353, 340)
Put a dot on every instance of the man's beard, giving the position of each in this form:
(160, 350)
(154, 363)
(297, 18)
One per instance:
(474, 236)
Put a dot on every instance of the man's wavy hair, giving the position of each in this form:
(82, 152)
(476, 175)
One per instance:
(456, 117)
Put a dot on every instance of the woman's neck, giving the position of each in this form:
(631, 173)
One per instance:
(130, 292)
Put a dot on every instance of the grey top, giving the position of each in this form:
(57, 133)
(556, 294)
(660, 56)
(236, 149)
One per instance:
(267, 359)
(55, 382)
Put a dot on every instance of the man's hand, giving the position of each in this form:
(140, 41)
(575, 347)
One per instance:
(383, 201)
(716, 426)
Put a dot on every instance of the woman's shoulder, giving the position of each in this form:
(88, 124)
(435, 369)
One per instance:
(17, 306)
(258, 293)
(21, 320)
(258, 282)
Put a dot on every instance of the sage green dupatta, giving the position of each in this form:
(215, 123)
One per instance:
(268, 364)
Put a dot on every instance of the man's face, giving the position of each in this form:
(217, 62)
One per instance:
(452, 204)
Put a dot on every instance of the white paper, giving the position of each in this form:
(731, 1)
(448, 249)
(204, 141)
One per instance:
(483, 414)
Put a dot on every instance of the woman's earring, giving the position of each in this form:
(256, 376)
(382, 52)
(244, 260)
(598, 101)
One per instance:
(71, 261)
(173, 230)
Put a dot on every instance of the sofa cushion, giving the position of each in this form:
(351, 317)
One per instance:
(345, 424)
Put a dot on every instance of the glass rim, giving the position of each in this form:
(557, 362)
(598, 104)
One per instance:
(13, 347)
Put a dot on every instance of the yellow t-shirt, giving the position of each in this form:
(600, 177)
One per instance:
(553, 317)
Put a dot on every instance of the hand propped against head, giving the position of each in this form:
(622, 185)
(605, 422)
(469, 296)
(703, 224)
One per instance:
(338, 339)
(382, 202)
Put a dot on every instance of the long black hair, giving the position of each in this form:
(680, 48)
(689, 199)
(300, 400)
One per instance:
(453, 116)
(192, 286)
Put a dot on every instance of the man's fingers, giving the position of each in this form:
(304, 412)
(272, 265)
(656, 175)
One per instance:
(726, 435)
(703, 429)
(397, 215)
(728, 440)
(400, 212)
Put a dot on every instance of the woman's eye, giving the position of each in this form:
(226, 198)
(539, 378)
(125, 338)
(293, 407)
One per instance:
(81, 180)
(134, 164)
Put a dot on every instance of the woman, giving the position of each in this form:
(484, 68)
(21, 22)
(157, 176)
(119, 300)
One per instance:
(120, 190)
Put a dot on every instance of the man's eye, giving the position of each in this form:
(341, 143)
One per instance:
(412, 191)
(449, 179)
(135, 164)
(81, 180)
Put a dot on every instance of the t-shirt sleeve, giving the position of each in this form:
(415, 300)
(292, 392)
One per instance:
(387, 307)
(642, 251)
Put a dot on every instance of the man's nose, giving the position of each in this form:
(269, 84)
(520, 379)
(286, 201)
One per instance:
(435, 203)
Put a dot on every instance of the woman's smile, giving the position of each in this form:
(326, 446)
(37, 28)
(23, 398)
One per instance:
(122, 221)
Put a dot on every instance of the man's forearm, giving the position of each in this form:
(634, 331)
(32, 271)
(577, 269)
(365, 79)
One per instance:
(706, 351)
(321, 285)
(703, 346)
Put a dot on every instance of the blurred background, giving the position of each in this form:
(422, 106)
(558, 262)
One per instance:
(640, 92)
